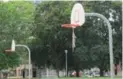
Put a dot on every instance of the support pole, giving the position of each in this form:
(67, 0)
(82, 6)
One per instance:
(110, 40)
(29, 55)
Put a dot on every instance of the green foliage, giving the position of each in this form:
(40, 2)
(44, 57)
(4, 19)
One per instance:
(52, 39)
(92, 38)
(9, 60)
(16, 22)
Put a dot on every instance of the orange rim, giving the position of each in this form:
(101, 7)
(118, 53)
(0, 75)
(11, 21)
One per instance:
(8, 50)
(70, 25)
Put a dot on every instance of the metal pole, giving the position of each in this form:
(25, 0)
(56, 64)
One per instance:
(66, 64)
(110, 40)
(47, 72)
(66, 61)
(19, 45)
(122, 40)
(122, 50)
(73, 40)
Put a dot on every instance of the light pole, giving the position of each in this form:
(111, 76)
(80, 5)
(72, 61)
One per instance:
(66, 60)
(19, 45)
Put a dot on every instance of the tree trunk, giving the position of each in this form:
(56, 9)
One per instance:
(5, 75)
(101, 72)
(57, 71)
(116, 69)
(77, 73)
(0, 75)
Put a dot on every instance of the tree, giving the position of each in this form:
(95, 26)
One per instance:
(98, 31)
(92, 37)
(51, 38)
(16, 22)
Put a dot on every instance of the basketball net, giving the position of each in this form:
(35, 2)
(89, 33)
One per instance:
(73, 40)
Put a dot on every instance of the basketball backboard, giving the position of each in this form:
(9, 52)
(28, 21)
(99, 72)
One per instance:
(13, 45)
(77, 14)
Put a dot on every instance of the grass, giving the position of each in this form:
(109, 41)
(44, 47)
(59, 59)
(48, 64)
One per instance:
(73, 78)
(92, 78)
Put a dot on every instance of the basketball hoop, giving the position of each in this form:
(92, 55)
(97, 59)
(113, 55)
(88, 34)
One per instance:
(70, 25)
(77, 19)
(8, 50)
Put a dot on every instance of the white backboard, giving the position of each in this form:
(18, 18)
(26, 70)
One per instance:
(13, 45)
(77, 14)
